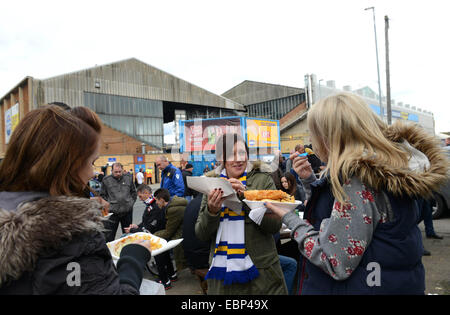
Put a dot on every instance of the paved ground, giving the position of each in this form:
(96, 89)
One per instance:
(437, 266)
(187, 283)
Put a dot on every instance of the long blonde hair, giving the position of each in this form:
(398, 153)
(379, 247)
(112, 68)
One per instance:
(343, 130)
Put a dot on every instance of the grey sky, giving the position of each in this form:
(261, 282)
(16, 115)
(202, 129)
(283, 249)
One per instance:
(218, 44)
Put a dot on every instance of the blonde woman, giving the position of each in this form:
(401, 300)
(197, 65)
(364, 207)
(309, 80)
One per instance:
(360, 233)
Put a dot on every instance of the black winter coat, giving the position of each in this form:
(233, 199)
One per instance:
(195, 251)
(153, 218)
(187, 190)
(55, 245)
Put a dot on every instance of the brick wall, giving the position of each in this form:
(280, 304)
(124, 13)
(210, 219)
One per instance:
(117, 143)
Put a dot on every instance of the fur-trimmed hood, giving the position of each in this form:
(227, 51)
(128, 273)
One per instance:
(427, 176)
(37, 226)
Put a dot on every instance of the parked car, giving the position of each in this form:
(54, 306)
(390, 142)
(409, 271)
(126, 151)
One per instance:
(441, 202)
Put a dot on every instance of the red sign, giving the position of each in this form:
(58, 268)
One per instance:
(201, 135)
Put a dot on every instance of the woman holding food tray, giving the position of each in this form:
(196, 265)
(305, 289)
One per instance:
(360, 233)
(51, 238)
(243, 257)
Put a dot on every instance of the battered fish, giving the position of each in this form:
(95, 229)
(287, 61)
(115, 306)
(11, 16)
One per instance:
(274, 195)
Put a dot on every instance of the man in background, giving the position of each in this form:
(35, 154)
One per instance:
(171, 177)
(188, 193)
(312, 158)
(174, 208)
(153, 218)
(447, 146)
(119, 190)
(149, 173)
(140, 177)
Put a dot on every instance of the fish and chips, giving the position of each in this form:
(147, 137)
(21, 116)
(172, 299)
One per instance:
(268, 195)
(155, 243)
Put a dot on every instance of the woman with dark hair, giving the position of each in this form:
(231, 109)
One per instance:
(50, 236)
(289, 185)
(91, 118)
(243, 256)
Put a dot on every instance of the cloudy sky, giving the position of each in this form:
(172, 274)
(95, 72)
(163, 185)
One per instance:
(218, 44)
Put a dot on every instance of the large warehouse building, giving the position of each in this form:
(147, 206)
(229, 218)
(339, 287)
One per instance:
(135, 100)
(132, 98)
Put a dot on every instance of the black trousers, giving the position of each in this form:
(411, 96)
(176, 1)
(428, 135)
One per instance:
(113, 223)
(165, 266)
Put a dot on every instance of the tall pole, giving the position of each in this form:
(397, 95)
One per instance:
(378, 64)
(388, 78)
(320, 92)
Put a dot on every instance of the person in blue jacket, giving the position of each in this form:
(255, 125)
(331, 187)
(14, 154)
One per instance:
(171, 177)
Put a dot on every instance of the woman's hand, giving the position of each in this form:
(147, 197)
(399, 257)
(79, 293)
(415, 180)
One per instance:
(276, 211)
(215, 200)
(237, 186)
(301, 165)
(132, 226)
(103, 203)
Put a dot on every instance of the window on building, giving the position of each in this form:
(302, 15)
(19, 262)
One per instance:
(137, 117)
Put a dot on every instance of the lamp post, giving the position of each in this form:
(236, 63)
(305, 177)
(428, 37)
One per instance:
(320, 92)
(378, 65)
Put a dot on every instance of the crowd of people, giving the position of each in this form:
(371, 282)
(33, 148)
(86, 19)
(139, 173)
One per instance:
(363, 191)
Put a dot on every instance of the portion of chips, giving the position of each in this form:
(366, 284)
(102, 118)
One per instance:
(105, 212)
(268, 195)
(155, 243)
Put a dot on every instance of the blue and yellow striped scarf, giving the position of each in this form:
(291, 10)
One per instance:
(231, 263)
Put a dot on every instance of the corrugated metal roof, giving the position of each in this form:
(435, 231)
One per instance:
(131, 78)
(252, 92)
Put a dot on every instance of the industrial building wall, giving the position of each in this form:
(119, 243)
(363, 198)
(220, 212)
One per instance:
(294, 129)
(251, 92)
(297, 134)
(139, 118)
(128, 96)
(19, 95)
(277, 108)
(130, 78)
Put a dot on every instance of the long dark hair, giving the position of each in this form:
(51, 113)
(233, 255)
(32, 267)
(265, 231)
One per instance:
(291, 182)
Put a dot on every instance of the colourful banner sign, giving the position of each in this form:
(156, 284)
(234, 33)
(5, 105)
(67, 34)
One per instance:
(262, 133)
(11, 121)
(201, 135)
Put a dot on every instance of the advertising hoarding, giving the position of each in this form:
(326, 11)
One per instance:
(262, 133)
(198, 138)
(201, 135)
(11, 121)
